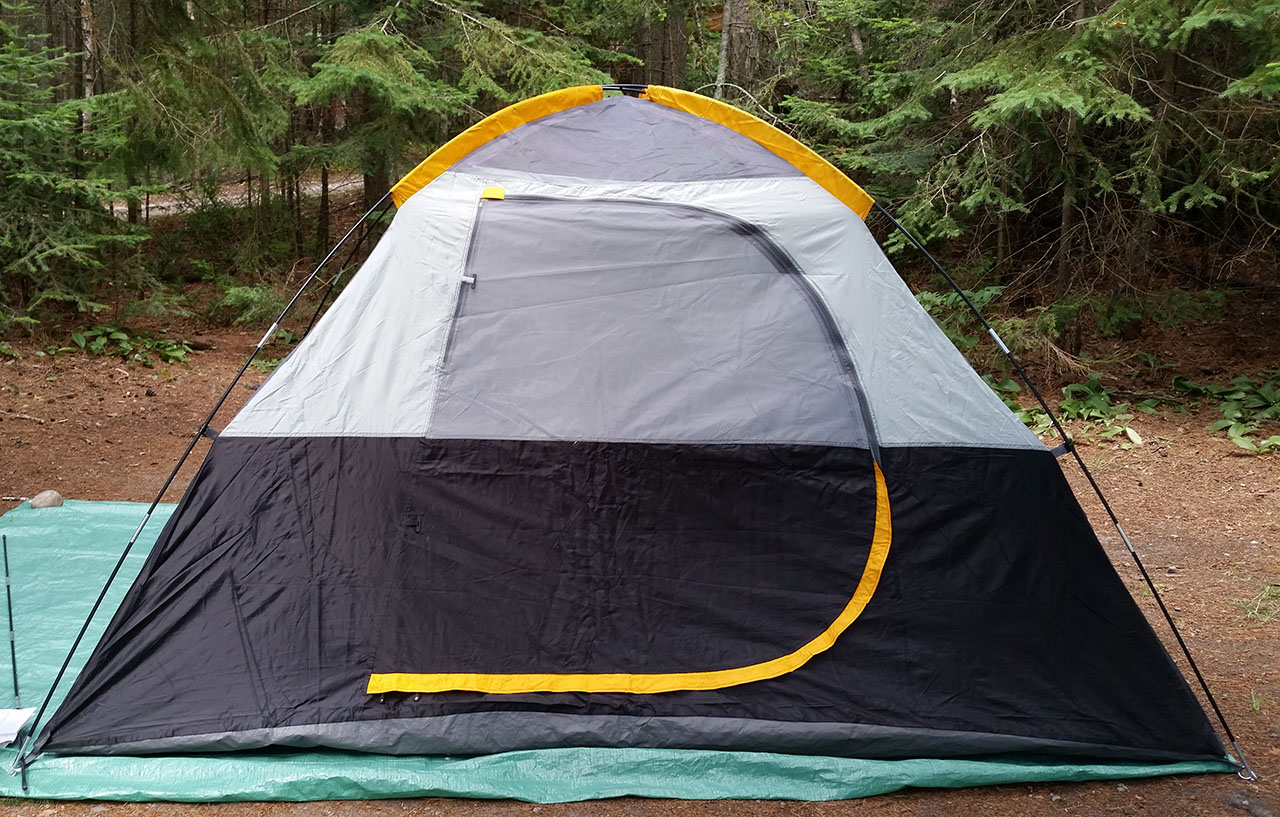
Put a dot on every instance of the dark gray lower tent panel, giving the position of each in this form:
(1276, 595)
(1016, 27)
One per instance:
(60, 557)
(978, 638)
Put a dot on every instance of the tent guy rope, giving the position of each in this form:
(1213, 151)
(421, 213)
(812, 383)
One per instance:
(24, 757)
(1245, 772)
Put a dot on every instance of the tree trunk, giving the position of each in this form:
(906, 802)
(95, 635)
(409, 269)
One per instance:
(134, 207)
(377, 181)
(860, 48)
(1139, 248)
(1002, 249)
(663, 46)
(744, 50)
(1067, 208)
(726, 34)
(322, 213)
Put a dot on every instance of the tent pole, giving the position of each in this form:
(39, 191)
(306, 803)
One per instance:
(1245, 771)
(26, 755)
(341, 269)
(13, 644)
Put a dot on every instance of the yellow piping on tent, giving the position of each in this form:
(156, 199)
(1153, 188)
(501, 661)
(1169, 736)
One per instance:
(822, 172)
(645, 684)
(488, 129)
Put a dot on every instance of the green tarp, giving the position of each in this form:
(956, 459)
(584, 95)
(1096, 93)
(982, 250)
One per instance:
(60, 557)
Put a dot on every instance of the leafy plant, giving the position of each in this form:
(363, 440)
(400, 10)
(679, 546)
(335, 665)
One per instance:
(951, 314)
(266, 365)
(115, 342)
(1246, 405)
(256, 304)
(1035, 418)
(1091, 403)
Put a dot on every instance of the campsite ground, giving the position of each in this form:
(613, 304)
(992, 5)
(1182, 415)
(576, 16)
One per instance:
(1204, 515)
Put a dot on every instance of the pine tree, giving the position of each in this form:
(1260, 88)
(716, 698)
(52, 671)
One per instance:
(55, 225)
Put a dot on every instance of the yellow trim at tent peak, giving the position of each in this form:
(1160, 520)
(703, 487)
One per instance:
(818, 169)
(488, 129)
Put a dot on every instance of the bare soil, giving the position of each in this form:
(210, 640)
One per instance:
(1204, 515)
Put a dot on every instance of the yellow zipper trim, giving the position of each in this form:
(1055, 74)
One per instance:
(650, 683)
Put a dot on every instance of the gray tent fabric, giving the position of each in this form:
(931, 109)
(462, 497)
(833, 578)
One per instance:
(636, 339)
(372, 366)
(620, 140)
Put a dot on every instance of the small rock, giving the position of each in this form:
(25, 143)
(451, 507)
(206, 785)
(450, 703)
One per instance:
(46, 499)
(1240, 799)
(1122, 788)
(1055, 797)
(97, 809)
(1172, 571)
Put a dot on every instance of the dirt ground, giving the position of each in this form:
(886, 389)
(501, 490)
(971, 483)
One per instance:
(1204, 515)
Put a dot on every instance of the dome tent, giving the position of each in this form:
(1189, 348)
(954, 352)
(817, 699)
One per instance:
(628, 434)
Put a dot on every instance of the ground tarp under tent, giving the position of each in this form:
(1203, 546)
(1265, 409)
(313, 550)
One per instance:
(61, 556)
(628, 443)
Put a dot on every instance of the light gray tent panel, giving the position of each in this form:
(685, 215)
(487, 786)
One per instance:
(625, 321)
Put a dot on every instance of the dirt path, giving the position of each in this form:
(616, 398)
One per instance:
(341, 184)
(1204, 515)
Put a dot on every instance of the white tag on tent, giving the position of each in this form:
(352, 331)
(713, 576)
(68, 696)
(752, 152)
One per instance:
(12, 721)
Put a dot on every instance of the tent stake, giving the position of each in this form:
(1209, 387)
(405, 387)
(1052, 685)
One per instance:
(13, 643)
(1244, 770)
(28, 751)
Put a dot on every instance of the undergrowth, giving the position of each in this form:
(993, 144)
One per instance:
(1265, 606)
(1247, 405)
(138, 348)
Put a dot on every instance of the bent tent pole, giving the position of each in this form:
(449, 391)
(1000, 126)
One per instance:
(13, 642)
(1245, 771)
(342, 268)
(26, 755)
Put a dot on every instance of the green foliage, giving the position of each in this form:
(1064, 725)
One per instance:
(54, 227)
(1090, 403)
(400, 100)
(254, 305)
(266, 365)
(1034, 417)
(954, 317)
(1265, 606)
(1093, 405)
(1020, 126)
(113, 341)
(1247, 406)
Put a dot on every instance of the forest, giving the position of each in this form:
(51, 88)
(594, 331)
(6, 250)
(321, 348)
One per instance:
(1086, 169)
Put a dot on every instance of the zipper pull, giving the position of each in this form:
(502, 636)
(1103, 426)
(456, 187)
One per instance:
(469, 279)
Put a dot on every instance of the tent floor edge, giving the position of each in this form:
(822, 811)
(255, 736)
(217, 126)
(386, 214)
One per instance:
(565, 775)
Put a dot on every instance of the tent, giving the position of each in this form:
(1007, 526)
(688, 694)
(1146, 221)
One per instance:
(627, 434)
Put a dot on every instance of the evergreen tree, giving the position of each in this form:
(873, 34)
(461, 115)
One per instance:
(55, 225)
